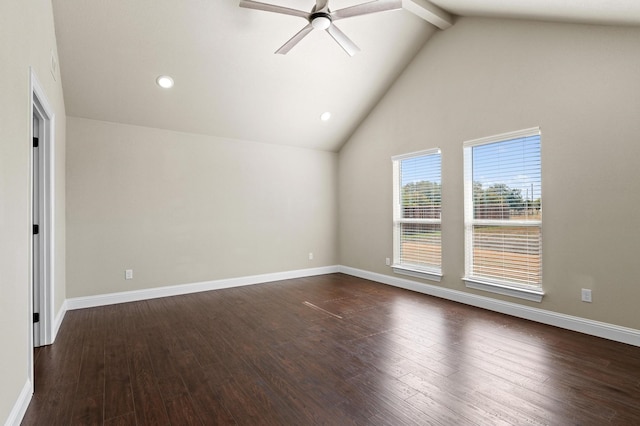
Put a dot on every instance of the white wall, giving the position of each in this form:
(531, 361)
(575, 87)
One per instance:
(27, 39)
(484, 77)
(181, 208)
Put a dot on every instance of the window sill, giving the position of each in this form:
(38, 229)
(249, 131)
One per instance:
(521, 293)
(417, 273)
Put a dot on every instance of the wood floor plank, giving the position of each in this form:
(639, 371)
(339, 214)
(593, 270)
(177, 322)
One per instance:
(149, 406)
(370, 355)
(128, 419)
(208, 406)
(88, 410)
(118, 394)
(181, 411)
(180, 408)
(288, 387)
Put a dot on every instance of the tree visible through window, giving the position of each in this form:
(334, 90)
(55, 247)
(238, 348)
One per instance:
(503, 214)
(417, 217)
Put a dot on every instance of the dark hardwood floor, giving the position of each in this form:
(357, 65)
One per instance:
(356, 352)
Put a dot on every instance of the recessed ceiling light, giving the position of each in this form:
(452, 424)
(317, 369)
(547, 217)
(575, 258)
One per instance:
(325, 116)
(165, 81)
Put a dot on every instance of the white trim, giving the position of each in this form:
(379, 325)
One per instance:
(428, 11)
(176, 290)
(525, 133)
(426, 221)
(470, 222)
(582, 325)
(398, 220)
(507, 290)
(613, 332)
(20, 407)
(505, 222)
(431, 151)
(417, 273)
(58, 321)
(40, 104)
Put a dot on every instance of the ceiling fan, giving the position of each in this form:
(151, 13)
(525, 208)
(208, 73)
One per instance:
(322, 18)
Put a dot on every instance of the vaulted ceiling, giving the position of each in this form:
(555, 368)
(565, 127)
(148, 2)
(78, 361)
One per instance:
(229, 82)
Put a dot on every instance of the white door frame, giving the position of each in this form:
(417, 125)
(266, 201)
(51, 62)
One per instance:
(42, 112)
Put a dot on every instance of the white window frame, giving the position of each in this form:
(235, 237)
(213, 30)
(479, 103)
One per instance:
(429, 273)
(533, 293)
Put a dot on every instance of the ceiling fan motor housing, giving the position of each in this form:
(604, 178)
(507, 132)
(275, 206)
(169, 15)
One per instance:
(320, 20)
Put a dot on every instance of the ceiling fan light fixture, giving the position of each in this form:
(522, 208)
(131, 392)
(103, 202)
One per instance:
(165, 81)
(321, 22)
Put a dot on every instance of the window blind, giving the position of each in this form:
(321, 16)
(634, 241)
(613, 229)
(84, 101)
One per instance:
(503, 209)
(417, 211)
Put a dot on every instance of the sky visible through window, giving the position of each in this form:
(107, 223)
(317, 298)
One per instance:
(515, 163)
(422, 168)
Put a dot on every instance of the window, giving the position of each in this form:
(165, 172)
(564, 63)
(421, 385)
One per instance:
(416, 214)
(503, 214)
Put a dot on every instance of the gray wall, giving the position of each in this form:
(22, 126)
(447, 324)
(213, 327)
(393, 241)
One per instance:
(27, 39)
(483, 77)
(180, 208)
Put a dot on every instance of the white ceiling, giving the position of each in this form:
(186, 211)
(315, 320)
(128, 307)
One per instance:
(229, 83)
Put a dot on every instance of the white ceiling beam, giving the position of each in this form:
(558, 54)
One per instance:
(429, 12)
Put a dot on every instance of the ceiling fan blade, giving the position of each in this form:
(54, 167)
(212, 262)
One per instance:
(344, 41)
(250, 4)
(321, 6)
(295, 40)
(366, 8)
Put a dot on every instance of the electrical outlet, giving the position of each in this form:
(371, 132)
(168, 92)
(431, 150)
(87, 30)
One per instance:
(586, 295)
(310, 256)
(128, 274)
(388, 262)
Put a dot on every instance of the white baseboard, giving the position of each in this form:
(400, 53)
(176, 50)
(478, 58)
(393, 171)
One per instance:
(595, 328)
(20, 407)
(58, 321)
(176, 290)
